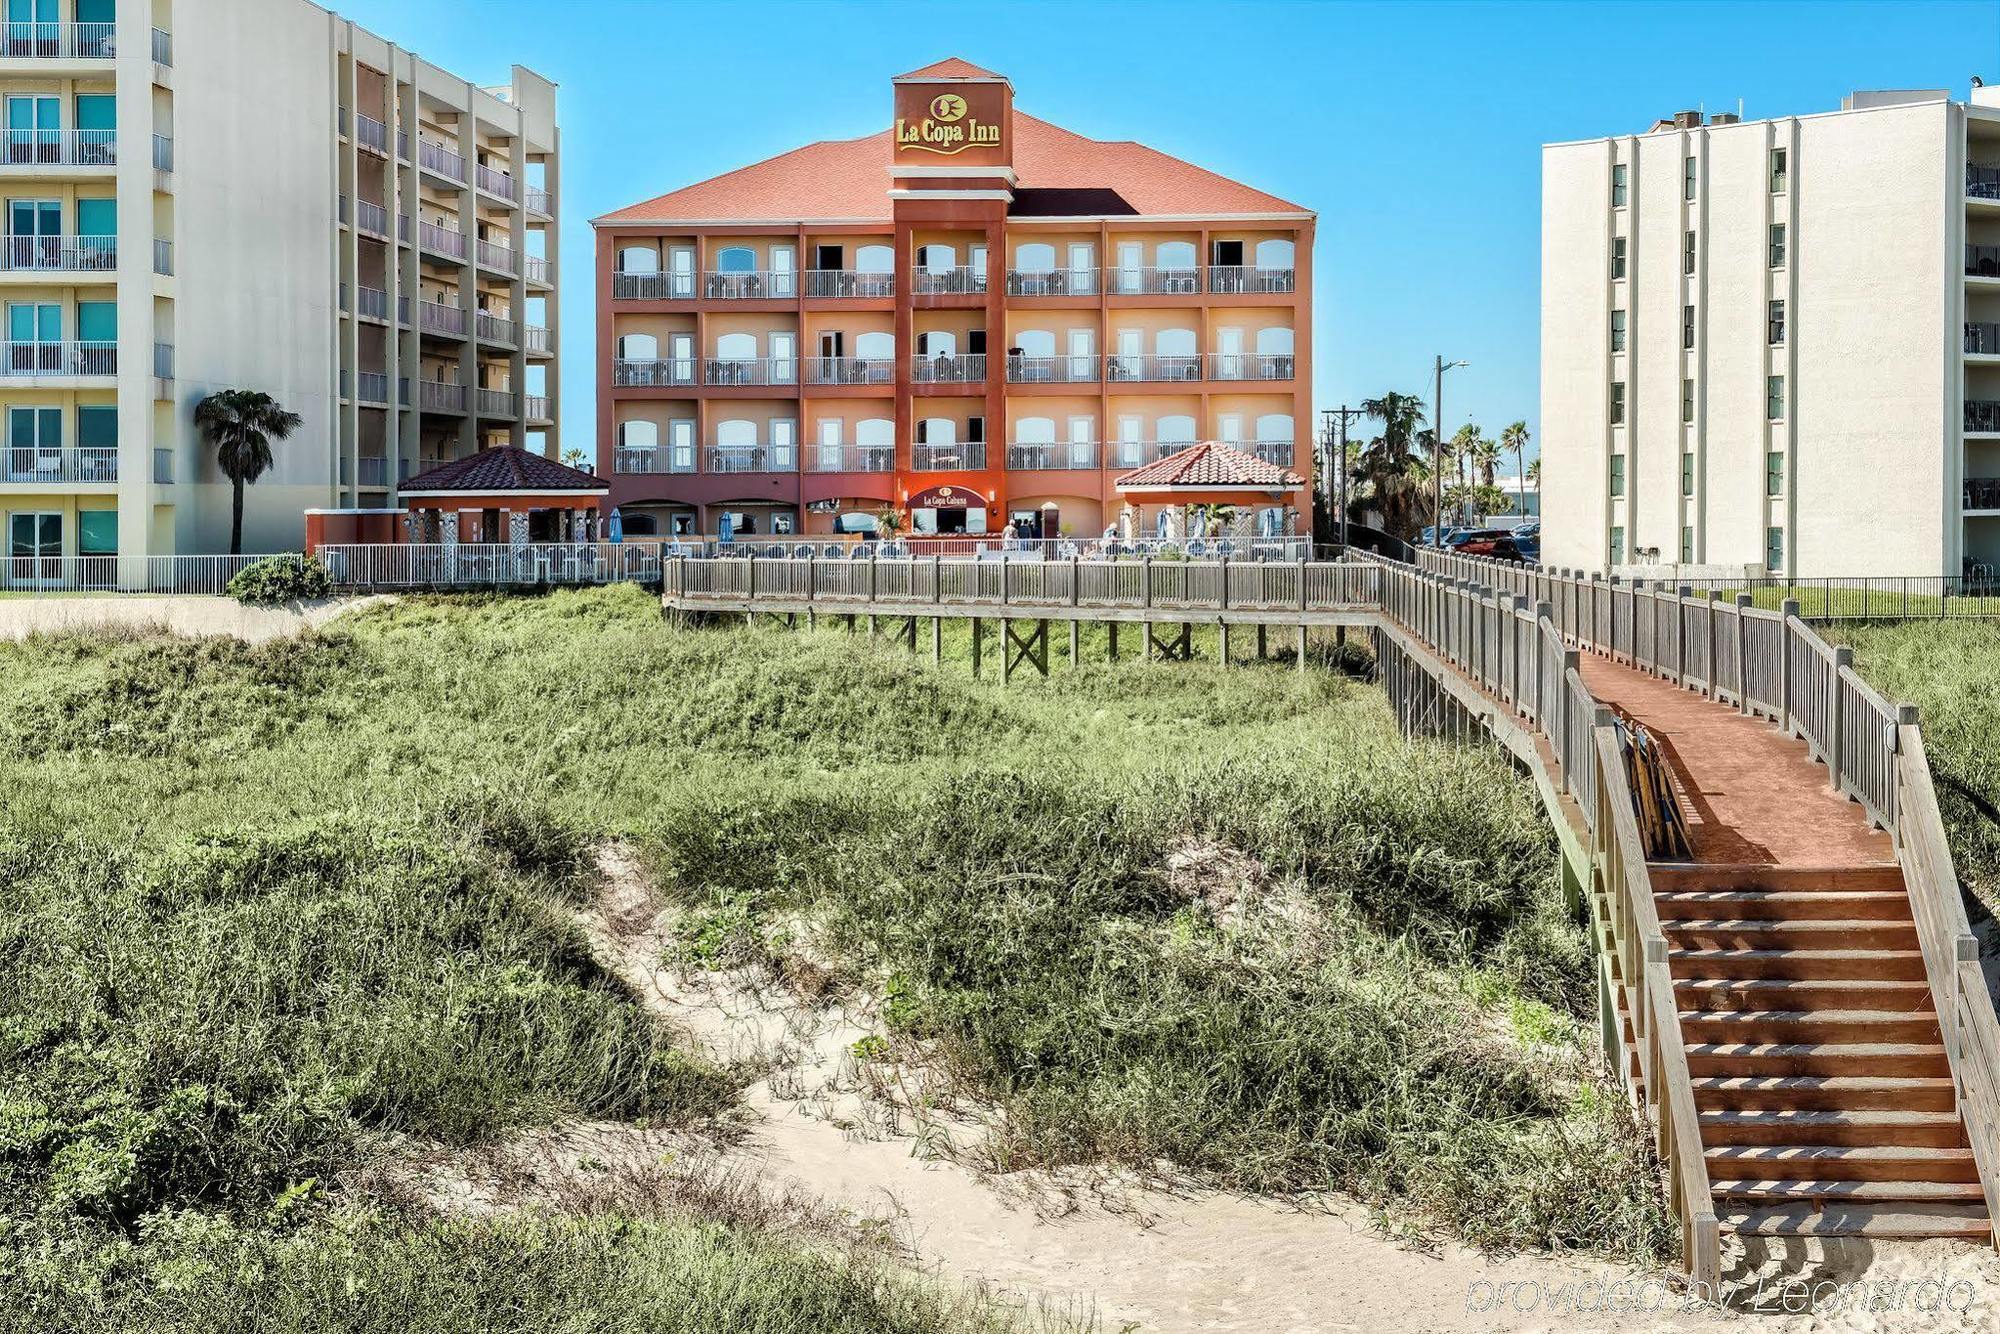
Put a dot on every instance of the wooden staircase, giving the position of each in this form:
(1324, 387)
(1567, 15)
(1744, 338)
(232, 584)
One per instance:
(1825, 1099)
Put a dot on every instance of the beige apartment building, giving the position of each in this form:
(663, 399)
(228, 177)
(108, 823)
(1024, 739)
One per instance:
(1774, 345)
(209, 194)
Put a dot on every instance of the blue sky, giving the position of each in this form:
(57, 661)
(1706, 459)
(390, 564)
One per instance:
(1414, 129)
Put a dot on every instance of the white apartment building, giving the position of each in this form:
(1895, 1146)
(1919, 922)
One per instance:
(256, 194)
(1774, 345)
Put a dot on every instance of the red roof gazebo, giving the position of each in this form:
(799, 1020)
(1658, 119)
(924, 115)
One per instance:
(503, 494)
(1211, 473)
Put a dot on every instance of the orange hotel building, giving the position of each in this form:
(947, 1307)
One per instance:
(972, 317)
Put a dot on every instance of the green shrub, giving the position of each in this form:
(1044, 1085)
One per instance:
(288, 578)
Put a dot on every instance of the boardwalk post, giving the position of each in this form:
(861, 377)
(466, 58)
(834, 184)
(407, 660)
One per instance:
(937, 641)
(1263, 650)
(1146, 583)
(1075, 593)
(1789, 608)
(1836, 759)
(1112, 626)
(1074, 626)
(975, 648)
(1222, 650)
(1302, 647)
(1006, 634)
(1742, 653)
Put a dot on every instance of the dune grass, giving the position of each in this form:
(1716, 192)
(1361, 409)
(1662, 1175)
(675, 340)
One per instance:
(268, 904)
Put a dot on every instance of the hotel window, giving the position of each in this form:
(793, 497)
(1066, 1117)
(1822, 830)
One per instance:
(1774, 549)
(1617, 258)
(1777, 245)
(1617, 331)
(1617, 402)
(1774, 397)
(1617, 474)
(1778, 323)
(97, 427)
(1774, 473)
(1687, 474)
(1778, 173)
(1687, 253)
(97, 533)
(1689, 175)
(1687, 328)
(1687, 544)
(1618, 185)
(1617, 544)
(1687, 402)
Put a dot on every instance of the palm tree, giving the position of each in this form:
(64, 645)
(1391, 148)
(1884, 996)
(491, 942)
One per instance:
(1461, 449)
(1388, 465)
(241, 424)
(1515, 437)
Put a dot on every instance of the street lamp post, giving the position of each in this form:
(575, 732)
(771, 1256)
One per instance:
(1437, 449)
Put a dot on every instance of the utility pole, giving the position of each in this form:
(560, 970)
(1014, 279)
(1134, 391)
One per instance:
(1437, 450)
(1341, 415)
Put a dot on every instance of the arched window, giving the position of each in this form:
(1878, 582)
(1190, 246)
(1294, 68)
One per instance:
(937, 431)
(875, 433)
(937, 258)
(937, 343)
(1035, 431)
(1175, 343)
(1174, 430)
(875, 346)
(855, 521)
(736, 431)
(1274, 342)
(640, 524)
(736, 346)
(638, 347)
(1274, 426)
(1035, 257)
(1274, 254)
(875, 259)
(1174, 255)
(736, 259)
(638, 435)
(1035, 342)
(638, 259)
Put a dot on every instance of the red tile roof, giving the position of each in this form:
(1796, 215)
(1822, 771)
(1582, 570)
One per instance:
(1058, 174)
(504, 468)
(951, 68)
(1209, 465)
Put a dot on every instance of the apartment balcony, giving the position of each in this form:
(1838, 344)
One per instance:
(850, 458)
(1052, 282)
(1982, 416)
(968, 368)
(59, 148)
(1070, 456)
(371, 134)
(366, 216)
(535, 408)
(832, 284)
(1052, 370)
(372, 388)
(494, 329)
(1280, 453)
(538, 270)
(762, 285)
(1982, 338)
(653, 286)
(437, 396)
(540, 343)
(1127, 454)
(371, 303)
(750, 458)
(1250, 366)
(59, 254)
(446, 241)
(850, 370)
(1144, 369)
(667, 373)
(651, 460)
(1982, 495)
(372, 469)
(499, 258)
(960, 456)
(440, 161)
(60, 465)
(59, 41)
(1231, 279)
(1982, 261)
(1152, 282)
(497, 183)
(961, 281)
(739, 371)
(539, 201)
(1982, 182)
(440, 320)
(498, 403)
(20, 361)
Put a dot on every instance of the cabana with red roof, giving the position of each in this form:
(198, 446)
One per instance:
(1211, 473)
(500, 495)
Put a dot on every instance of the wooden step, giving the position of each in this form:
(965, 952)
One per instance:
(1903, 965)
(1898, 1060)
(1767, 1192)
(1827, 1162)
(1824, 1026)
(1807, 934)
(1901, 1221)
(1864, 1129)
(1852, 1093)
(1673, 876)
(1786, 905)
(1792, 993)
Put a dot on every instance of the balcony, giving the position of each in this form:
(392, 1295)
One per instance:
(969, 368)
(652, 287)
(60, 465)
(33, 360)
(1982, 338)
(494, 329)
(372, 303)
(1981, 415)
(59, 254)
(59, 41)
(850, 458)
(368, 216)
(960, 456)
(763, 285)
(960, 281)
(435, 317)
(440, 161)
(651, 460)
(539, 201)
(1982, 261)
(446, 241)
(1052, 282)
(495, 182)
(1052, 370)
(836, 283)
(437, 396)
(372, 388)
(750, 370)
(60, 148)
(750, 458)
(499, 403)
(1126, 454)
(499, 258)
(1250, 366)
(1982, 182)
(850, 370)
(535, 407)
(539, 343)
(537, 269)
(1279, 453)
(668, 373)
(1982, 495)
(371, 134)
(1230, 279)
(1141, 369)
(1072, 456)
(1152, 282)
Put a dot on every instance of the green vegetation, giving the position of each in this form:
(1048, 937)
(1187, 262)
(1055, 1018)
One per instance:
(273, 908)
(291, 578)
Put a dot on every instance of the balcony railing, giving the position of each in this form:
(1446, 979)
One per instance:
(966, 368)
(1145, 368)
(535, 407)
(373, 303)
(372, 218)
(438, 159)
(1982, 336)
(60, 148)
(19, 360)
(1152, 282)
(1123, 454)
(832, 283)
(163, 361)
(60, 254)
(371, 134)
(1983, 494)
(496, 182)
(59, 41)
(163, 47)
(1069, 456)
(762, 285)
(965, 455)
(647, 460)
(437, 396)
(1982, 415)
(1052, 370)
(163, 152)
(371, 387)
(403, 310)
(446, 241)
(435, 317)
(1983, 261)
(60, 465)
(850, 370)
(538, 340)
(1250, 366)
(539, 201)
(1982, 182)
(499, 403)
(1277, 452)
(498, 257)
(750, 370)
(1052, 282)
(653, 286)
(850, 458)
(163, 257)
(750, 458)
(663, 373)
(537, 269)
(948, 282)
(494, 329)
(1229, 278)
(373, 470)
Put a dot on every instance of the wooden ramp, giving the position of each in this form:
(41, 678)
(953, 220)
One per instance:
(1825, 1098)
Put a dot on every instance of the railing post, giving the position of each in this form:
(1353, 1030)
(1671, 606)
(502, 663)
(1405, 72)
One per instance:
(1225, 587)
(872, 569)
(750, 577)
(812, 576)
(1146, 582)
(1005, 580)
(937, 579)
(1789, 609)
(1836, 724)
(1075, 581)
(1742, 654)
(1302, 583)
